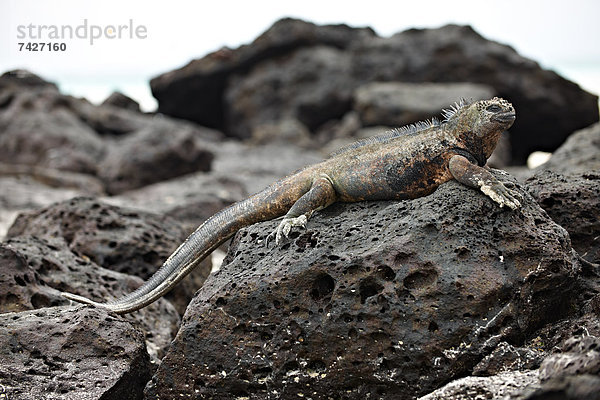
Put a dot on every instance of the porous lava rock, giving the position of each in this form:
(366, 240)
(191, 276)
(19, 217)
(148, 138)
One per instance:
(36, 270)
(124, 240)
(390, 298)
(66, 353)
(572, 201)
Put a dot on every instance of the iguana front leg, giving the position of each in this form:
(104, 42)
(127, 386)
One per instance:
(320, 195)
(480, 178)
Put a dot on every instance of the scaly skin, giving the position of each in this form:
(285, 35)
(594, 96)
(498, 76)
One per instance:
(404, 164)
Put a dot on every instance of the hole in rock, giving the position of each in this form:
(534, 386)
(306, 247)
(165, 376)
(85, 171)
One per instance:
(369, 287)
(322, 287)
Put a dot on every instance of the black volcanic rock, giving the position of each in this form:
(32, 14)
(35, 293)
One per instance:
(195, 91)
(38, 128)
(43, 128)
(20, 78)
(71, 354)
(155, 153)
(124, 240)
(299, 70)
(573, 202)
(579, 154)
(36, 270)
(390, 298)
(549, 107)
(118, 99)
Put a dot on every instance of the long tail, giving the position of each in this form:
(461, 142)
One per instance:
(271, 203)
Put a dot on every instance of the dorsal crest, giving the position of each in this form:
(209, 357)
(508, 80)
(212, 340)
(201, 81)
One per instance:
(453, 110)
(389, 135)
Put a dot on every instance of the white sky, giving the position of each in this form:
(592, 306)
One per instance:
(560, 35)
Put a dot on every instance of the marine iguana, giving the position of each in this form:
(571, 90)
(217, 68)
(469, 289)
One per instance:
(403, 163)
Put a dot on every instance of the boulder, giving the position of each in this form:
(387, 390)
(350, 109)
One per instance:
(391, 298)
(572, 201)
(549, 107)
(402, 103)
(307, 72)
(155, 153)
(42, 128)
(311, 84)
(26, 187)
(118, 99)
(38, 128)
(70, 354)
(123, 240)
(35, 271)
(196, 91)
(108, 120)
(579, 154)
(506, 385)
(20, 78)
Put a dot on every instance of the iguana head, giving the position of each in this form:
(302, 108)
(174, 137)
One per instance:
(481, 121)
(482, 117)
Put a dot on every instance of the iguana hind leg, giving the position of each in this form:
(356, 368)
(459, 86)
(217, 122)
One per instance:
(480, 178)
(320, 195)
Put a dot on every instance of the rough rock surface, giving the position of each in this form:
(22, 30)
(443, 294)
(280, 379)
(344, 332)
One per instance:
(401, 103)
(575, 387)
(506, 385)
(387, 298)
(580, 355)
(127, 241)
(573, 202)
(35, 271)
(71, 354)
(507, 357)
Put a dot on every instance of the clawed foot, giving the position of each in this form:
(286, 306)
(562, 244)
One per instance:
(283, 230)
(503, 195)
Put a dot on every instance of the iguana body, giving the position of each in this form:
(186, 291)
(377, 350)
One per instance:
(402, 164)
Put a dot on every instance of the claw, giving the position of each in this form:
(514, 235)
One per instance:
(502, 195)
(283, 230)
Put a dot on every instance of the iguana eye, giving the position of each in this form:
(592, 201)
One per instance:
(494, 108)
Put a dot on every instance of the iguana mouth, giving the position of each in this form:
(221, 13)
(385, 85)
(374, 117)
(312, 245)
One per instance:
(508, 116)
